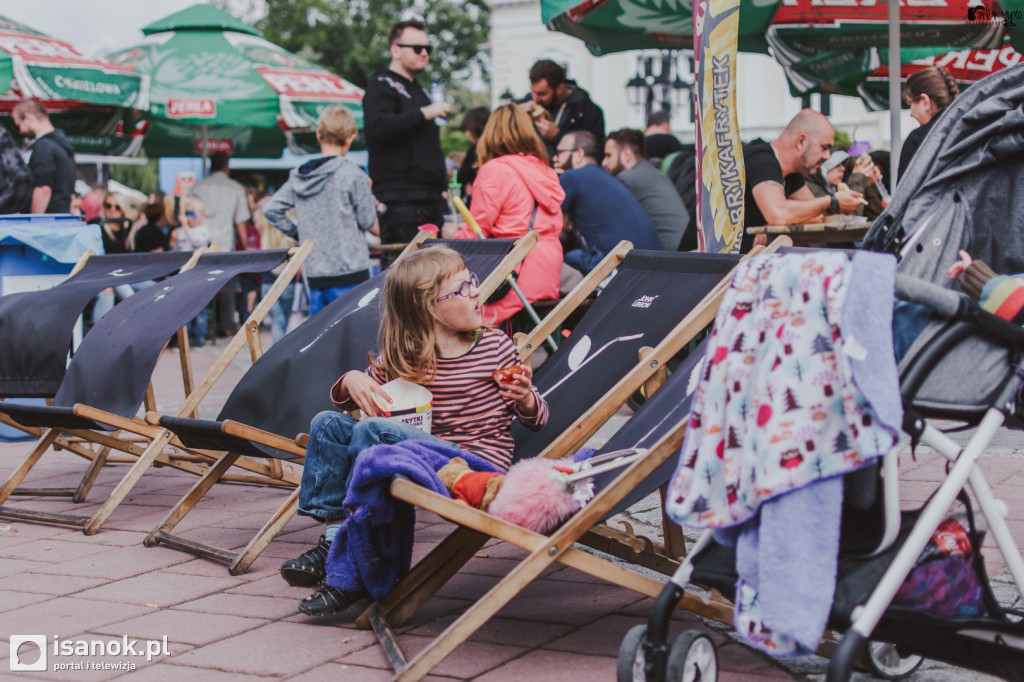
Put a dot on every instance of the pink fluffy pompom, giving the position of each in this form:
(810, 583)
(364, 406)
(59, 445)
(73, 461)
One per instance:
(535, 496)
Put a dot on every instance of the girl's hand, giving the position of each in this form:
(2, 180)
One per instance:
(361, 389)
(517, 389)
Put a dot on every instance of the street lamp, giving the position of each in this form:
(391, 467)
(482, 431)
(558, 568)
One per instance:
(658, 81)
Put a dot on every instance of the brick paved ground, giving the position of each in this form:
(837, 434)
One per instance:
(58, 582)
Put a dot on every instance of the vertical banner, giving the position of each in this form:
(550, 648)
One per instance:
(720, 176)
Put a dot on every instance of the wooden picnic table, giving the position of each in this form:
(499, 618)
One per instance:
(830, 232)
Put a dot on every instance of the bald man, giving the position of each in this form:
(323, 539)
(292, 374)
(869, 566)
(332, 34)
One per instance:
(776, 193)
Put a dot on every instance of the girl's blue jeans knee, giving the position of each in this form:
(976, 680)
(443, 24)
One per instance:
(335, 439)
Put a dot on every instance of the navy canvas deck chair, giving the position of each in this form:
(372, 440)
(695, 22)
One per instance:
(36, 327)
(273, 404)
(109, 377)
(658, 302)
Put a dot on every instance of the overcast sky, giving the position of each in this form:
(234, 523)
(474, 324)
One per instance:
(93, 26)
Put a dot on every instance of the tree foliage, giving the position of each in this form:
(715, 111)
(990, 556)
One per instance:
(349, 37)
(143, 177)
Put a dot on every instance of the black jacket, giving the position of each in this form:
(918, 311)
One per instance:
(911, 144)
(576, 112)
(406, 162)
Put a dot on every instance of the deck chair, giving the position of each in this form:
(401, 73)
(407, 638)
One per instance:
(476, 527)
(109, 378)
(36, 327)
(301, 369)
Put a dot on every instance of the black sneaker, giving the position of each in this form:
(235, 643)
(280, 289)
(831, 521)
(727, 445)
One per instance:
(327, 601)
(308, 570)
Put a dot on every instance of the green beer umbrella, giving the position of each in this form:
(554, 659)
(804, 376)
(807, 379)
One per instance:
(91, 98)
(616, 25)
(218, 85)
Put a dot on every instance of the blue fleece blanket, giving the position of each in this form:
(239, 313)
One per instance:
(373, 548)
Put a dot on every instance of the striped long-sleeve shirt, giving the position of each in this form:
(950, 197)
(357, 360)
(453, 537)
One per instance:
(468, 410)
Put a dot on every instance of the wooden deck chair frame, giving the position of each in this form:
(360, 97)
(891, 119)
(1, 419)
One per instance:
(146, 444)
(476, 527)
(239, 562)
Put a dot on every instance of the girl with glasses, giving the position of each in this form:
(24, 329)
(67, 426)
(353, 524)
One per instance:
(432, 334)
(516, 191)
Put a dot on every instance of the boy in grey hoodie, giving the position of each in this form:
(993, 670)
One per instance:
(333, 206)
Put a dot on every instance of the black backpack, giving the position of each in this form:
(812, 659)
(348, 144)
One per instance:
(681, 169)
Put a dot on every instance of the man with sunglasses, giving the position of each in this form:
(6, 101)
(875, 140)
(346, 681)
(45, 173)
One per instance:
(402, 137)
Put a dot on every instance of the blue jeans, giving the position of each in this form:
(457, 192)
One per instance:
(320, 298)
(334, 441)
(280, 311)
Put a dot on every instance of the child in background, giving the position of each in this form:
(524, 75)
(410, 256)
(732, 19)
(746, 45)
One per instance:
(432, 334)
(192, 234)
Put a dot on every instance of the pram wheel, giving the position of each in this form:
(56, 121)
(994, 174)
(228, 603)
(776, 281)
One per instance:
(692, 658)
(632, 657)
(883, 660)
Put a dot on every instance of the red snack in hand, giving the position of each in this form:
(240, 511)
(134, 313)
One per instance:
(504, 376)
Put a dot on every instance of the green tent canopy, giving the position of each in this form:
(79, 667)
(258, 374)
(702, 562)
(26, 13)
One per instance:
(216, 81)
(617, 25)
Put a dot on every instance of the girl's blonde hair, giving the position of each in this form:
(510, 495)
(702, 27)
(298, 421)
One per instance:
(509, 130)
(408, 345)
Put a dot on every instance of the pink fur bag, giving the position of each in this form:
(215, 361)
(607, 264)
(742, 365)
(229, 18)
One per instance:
(536, 495)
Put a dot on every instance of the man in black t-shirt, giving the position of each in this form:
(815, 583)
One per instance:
(403, 139)
(51, 158)
(775, 189)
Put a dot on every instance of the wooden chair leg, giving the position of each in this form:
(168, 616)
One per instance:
(19, 474)
(263, 538)
(98, 462)
(184, 506)
(675, 541)
(126, 484)
(428, 576)
(484, 609)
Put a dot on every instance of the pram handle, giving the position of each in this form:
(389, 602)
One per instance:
(957, 306)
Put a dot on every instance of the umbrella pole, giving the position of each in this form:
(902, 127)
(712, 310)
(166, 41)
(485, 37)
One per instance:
(204, 146)
(895, 102)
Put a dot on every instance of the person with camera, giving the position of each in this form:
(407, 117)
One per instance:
(115, 229)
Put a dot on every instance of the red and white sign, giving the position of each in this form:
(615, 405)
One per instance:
(310, 85)
(45, 50)
(215, 145)
(966, 66)
(191, 108)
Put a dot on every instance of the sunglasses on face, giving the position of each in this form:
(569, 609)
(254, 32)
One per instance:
(464, 288)
(191, 215)
(418, 49)
(112, 207)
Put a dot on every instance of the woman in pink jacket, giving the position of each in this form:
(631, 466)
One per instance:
(514, 177)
